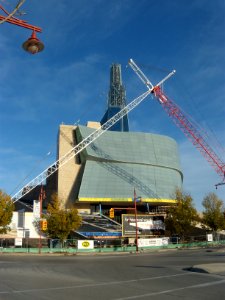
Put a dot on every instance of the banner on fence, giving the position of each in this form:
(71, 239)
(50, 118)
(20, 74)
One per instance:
(85, 244)
(153, 242)
(18, 241)
(210, 237)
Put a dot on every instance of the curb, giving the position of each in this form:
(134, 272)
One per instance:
(214, 268)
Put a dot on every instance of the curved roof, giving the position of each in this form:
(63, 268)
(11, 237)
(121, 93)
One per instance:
(118, 162)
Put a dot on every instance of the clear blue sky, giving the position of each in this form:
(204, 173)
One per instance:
(69, 80)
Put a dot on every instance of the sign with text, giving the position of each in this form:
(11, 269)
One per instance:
(153, 242)
(145, 225)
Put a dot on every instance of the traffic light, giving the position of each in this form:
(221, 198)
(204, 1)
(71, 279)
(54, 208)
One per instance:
(111, 213)
(44, 225)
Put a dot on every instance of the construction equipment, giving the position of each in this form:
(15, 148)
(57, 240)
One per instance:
(81, 146)
(183, 122)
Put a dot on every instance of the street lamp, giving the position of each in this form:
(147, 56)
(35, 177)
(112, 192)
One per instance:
(33, 45)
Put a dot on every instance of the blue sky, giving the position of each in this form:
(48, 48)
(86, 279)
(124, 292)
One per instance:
(69, 80)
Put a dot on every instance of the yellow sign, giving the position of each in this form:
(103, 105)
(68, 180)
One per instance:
(85, 244)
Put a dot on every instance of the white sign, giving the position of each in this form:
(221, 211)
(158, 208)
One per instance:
(36, 209)
(210, 237)
(85, 244)
(153, 242)
(20, 233)
(146, 225)
(18, 242)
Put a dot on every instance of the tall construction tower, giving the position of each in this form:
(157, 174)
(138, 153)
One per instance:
(116, 100)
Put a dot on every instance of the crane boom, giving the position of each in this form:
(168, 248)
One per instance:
(182, 121)
(144, 79)
(78, 148)
(82, 145)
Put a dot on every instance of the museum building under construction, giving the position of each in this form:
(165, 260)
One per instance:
(106, 173)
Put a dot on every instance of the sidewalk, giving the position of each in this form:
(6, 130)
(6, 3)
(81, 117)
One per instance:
(213, 268)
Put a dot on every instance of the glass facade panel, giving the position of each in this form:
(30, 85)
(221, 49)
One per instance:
(118, 162)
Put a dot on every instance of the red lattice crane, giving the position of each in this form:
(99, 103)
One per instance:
(182, 121)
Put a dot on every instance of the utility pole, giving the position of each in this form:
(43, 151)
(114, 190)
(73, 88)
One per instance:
(41, 198)
(136, 223)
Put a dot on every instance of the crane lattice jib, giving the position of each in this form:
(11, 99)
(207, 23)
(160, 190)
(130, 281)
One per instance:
(83, 144)
(78, 148)
(180, 119)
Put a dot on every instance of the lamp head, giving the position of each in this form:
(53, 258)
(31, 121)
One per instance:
(33, 45)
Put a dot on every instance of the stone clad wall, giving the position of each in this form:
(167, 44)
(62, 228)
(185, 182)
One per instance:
(67, 174)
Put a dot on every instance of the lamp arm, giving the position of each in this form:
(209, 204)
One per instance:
(10, 19)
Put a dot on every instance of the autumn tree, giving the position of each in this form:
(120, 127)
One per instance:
(6, 211)
(60, 220)
(213, 214)
(182, 216)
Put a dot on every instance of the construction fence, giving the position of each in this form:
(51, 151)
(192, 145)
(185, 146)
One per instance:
(30, 245)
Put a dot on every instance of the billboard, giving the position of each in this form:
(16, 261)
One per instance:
(146, 225)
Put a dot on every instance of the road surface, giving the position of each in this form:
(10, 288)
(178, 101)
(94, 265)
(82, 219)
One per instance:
(155, 275)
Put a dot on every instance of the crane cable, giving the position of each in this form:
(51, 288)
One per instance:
(30, 172)
(207, 132)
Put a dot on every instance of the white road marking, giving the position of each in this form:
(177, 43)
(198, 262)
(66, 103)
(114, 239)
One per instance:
(173, 290)
(91, 285)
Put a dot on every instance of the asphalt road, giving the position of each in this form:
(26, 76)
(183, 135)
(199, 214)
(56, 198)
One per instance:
(156, 275)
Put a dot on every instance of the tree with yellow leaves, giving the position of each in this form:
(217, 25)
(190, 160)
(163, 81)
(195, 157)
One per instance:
(213, 213)
(6, 211)
(60, 221)
(182, 216)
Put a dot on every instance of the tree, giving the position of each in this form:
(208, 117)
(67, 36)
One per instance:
(182, 216)
(6, 211)
(213, 214)
(61, 221)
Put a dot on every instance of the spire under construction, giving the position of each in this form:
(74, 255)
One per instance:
(116, 99)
